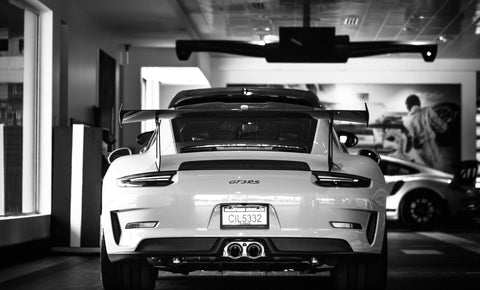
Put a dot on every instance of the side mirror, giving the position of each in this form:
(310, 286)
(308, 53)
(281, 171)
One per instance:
(119, 152)
(144, 137)
(369, 153)
(348, 139)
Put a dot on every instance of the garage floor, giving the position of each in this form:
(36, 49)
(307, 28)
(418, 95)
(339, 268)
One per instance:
(444, 259)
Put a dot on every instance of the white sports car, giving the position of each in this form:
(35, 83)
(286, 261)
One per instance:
(420, 197)
(249, 179)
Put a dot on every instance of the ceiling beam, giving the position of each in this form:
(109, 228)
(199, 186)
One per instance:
(180, 12)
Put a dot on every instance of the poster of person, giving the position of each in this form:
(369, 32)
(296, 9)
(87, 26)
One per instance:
(415, 122)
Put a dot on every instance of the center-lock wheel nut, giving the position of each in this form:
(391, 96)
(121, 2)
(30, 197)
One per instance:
(235, 250)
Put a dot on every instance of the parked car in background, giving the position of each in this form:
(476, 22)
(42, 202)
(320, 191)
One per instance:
(245, 179)
(419, 196)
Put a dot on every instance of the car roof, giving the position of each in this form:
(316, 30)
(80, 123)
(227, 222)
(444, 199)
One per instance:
(420, 167)
(405, 162)
(215, 96)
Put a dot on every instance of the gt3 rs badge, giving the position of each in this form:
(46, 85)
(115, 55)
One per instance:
(244, 181)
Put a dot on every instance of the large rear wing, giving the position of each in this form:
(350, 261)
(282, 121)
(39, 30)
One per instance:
(465, 174)
(133, 116)
(356, 116)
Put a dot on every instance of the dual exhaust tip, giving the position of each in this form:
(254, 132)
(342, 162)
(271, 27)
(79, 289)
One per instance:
(252, 250)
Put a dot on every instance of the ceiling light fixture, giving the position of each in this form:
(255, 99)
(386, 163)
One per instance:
(443, 38)
(406, 28)
(419, 17)
(261, 29)
(264, 39)
(350, 20)
(269, 38)
(257, 6)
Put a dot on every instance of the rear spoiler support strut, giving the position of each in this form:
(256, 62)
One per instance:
(158, 155)
(330, 142)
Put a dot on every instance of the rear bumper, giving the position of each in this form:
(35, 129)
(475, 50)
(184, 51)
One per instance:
(122, 242)
(184, 255)
(213, 247)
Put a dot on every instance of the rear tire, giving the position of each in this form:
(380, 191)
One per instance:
(421, 211)
(127, 274)
(368, 274)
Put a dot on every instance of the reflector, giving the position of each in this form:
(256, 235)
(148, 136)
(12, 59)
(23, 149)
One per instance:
(138, 225)
(346, 225)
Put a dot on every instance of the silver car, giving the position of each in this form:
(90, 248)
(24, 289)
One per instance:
(419, 196)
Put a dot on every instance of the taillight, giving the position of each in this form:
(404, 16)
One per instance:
(157, 178)
(331, 179)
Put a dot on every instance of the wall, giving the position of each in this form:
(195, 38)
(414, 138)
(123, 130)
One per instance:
(24, 238)
(84, 39)
(141, 57)
(226, 70)
(13, 229)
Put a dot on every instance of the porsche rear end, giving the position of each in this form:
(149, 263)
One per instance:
(245, 189)
(224, 216)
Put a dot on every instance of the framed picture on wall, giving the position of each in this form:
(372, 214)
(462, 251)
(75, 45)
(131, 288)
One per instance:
(414, 122)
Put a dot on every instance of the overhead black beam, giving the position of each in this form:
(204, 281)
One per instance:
(307, 45)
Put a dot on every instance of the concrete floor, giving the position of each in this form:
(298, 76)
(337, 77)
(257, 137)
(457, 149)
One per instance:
(445, 259)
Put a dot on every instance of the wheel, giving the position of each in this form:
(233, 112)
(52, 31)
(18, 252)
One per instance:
(127, 274)
(421, 211)
(364, 274)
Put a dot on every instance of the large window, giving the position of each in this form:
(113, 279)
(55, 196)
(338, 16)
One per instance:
(391, 168)
(18, 108)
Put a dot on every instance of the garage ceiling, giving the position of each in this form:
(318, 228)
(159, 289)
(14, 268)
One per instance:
(453, 24)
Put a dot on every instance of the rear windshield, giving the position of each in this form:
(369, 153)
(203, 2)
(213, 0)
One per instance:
(242, 130)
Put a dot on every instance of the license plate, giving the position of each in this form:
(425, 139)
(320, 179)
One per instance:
(244, 216)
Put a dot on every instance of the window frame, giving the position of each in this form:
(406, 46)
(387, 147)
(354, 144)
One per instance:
(410, 169)
(31, 127)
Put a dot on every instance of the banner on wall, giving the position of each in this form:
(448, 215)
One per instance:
(414, 122)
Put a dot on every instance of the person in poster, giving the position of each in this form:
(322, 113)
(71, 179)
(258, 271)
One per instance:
(423, 124)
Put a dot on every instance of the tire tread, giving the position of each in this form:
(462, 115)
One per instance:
(126, 275)
(362, 275)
